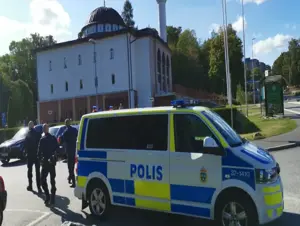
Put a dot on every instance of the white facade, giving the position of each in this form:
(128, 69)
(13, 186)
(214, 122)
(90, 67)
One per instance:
(69, 71)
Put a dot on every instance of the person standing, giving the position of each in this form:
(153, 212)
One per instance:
(69, 138)
(31, 148)
(47, 153)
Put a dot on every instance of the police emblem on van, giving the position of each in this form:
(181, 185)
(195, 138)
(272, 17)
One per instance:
(203, 175)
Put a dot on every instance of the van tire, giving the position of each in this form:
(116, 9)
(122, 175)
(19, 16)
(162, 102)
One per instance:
(242, 202)
(102, 209)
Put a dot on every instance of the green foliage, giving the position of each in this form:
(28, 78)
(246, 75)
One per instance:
(288, 63)
(127, 14)
(20, 104)
(241, 123)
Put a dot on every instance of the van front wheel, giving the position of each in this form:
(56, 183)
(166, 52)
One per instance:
(99, 201)
(236, 211)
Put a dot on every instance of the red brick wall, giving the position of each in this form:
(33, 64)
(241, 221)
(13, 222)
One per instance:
(66, 109)
(81, 107)
(45, 107)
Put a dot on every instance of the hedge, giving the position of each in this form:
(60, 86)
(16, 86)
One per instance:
(241, 123)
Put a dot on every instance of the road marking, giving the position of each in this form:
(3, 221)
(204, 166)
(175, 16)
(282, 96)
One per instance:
(38, 220)
(26, 210)
(295, 112)
(293, 102)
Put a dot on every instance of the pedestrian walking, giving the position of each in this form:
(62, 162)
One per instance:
(31, 148)
(47, 153)
(69, 138)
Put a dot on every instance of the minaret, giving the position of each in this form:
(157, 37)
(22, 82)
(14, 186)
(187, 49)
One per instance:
(162, 19)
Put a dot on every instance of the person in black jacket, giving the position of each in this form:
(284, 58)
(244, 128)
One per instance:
(69, 137)
(30, 146)
(47, 153)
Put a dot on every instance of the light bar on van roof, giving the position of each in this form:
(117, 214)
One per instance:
(184, 103)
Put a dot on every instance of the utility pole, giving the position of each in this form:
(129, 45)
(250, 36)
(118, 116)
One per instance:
(245, 66)
(253, 76)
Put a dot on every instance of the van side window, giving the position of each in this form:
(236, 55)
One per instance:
(190, 132)
(138, 132)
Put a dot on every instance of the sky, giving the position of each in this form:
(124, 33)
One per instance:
(271, 22)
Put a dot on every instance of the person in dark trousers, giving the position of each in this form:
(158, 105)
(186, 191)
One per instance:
(69, 137)
(47, 153)
(31, 148)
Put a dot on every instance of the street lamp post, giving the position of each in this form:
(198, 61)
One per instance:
(253, 76)
(245, 66)
(227, 65)
(95, 69)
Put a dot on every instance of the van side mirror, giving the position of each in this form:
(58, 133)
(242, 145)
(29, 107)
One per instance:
(210, 142)
(210, 146)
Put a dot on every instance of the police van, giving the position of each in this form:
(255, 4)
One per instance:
(180, 159)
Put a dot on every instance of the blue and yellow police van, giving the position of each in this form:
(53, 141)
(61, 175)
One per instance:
(182, 159)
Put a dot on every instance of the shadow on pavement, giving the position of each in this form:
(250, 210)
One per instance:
(292, 116)
(14, 164)
(287, 219)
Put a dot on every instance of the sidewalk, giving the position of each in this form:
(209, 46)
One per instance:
(283, 139)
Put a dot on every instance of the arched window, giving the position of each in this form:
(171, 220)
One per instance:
(111, 51)
(168, 73)
(50, 65)
(51, 88)
(80, 84)
(113, 79)
(65, 62)
(66, 86)
(159, 66)
(163, 72)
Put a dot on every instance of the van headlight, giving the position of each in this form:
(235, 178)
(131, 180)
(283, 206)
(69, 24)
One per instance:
(266, 175)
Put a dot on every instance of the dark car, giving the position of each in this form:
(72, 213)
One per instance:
(14, 148)
(3, 199)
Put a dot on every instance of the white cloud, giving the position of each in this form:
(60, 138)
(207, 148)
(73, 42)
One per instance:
(238, 24)
(278, 42)
(47, 17)
(214, 27)
(257, 2)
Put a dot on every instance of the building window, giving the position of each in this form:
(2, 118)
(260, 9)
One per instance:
(95, 57)
(81, 84)
(163, 72)
(159, 66)
(65, 62)
(168, 73)
(51, 88)
(112, 53)
(50, 65)
(113, 79)
(79, 60)
(66, 86)
(149, 133)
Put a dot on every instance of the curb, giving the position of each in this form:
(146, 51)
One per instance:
(283, 147)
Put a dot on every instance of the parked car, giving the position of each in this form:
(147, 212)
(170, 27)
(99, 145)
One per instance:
(14, 148)
(57, 131)
(3, 199)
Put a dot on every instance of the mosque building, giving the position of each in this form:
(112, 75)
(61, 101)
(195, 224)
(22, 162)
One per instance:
(108, 65)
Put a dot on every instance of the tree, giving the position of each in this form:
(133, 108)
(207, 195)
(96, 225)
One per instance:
(127, 14)
(257, 73)
(21, 62)
(173, 34)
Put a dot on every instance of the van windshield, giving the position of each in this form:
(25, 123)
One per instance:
(232, 138)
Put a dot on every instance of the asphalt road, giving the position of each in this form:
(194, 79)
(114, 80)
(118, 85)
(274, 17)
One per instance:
(27, 209)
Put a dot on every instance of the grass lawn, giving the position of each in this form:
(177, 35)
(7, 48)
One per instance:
(268, 127)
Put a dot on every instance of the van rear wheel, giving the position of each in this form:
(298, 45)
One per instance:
(99, 200)
(236, 209)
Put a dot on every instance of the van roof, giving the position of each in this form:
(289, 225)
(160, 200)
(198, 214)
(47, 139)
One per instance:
(143, 110)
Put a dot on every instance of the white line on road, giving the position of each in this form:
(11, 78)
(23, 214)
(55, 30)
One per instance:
(298, 103)
(38, 220)
(26, 210)
(295, 112)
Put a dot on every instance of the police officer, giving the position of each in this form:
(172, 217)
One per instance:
(69, 137)
(31, 147)
(47, 153)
